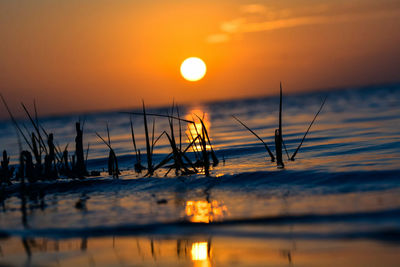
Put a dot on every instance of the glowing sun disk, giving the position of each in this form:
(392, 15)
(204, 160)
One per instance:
(193, 69)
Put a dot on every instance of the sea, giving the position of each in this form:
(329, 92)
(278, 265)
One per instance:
(336, 204)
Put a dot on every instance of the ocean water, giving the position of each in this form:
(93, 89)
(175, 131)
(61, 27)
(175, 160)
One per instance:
(338, 203)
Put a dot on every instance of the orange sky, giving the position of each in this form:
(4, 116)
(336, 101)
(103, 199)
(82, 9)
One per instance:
(92, 55)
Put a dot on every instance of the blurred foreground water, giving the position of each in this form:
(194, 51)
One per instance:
(336, 204)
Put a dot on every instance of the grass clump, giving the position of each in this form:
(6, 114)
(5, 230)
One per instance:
(279, 141)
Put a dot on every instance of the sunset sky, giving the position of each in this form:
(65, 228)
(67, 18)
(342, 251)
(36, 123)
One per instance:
(76, 55)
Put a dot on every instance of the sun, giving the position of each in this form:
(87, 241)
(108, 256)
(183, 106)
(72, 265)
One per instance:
(193, 69)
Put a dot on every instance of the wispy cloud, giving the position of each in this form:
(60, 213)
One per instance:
(218, 38)
(272, 20)
(253, 9)
(233, 26)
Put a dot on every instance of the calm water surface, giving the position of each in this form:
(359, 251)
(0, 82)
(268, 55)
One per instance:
(336, 204)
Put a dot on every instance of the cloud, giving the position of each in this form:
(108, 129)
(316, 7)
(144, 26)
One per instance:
(218, 38)
(232, 26)
(282, 23)
(253, 9)
(311, 20)
(245, 25)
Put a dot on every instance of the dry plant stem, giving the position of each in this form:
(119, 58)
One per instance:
(87, 155)
(278, 134)
(158, 115)
(34, 126)
(194, 149)
(80, 162)
(169, 157)
(214, 157)
(152, 137)
(148, 147)
(280, 110)
(108, 134)
(155, 142)
(205, 155)
(15, 122)
(180, 129)
(309, 127)
(112, 159)
(259, 138)
(284, 145)
(134, 141)
(36, 112)
(176, 155)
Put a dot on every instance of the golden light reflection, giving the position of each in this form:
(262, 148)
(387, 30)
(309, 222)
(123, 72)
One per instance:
(226, 251)
(200, 254)
(196, 129)
(199, 251)
(205, 212)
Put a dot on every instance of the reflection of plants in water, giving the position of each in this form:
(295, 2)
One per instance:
(203, 211)
(287, 253)
(198, 249)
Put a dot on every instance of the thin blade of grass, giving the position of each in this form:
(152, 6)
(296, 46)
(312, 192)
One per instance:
(58, 154)
(194, 147)
(198, 135)
(152, 136)
(176, 155)
(157, 115)
(87, 154)
(41, 142)
(309, 127)
(206, 160)
(108, 134)
(215, 159)
(284, 145)
(133, 139)
(169, 157)
(83, 123)
(280, 109)
(180, 129)
(36, 112)
(148, 147)
(259, 138)
(37, 128)
(47, 136)
(104, 141)
(14, 121)
(159, 137)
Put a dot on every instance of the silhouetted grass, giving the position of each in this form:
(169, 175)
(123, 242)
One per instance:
(308, 129)
(112, 158)
(279, 142)
(150, 169)
(259, 138)
(138, 164)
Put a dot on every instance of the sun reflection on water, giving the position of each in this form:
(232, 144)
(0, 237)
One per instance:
(200, 254)
(205, 212)
(199, 251)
